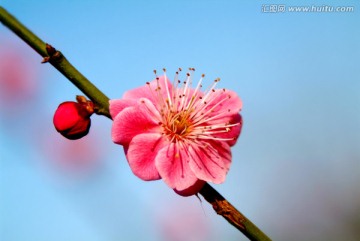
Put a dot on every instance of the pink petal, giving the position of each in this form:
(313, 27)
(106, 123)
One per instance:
(149, 91)
(141, 155)
(118, 105)
(173, 166)
(131, 121)
(230, 103)
(192, 189)
(233, 132)
(210, 161)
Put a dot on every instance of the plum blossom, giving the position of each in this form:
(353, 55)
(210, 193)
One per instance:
(177, 133)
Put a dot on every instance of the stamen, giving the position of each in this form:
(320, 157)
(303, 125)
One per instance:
(207, 137)
(210, 88)
(186, 89)
(167, 89)
(196, 93)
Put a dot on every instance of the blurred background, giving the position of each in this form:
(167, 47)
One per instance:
(296, 166)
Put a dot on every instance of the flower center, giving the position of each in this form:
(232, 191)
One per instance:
(178, 125)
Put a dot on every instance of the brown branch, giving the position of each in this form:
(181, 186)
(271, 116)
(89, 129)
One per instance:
(231, 214)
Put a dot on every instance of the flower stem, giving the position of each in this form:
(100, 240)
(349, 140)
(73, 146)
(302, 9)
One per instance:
(231, 214)
(101, 101)
(59, 61)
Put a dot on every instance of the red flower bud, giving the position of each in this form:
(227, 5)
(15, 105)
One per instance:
(72, 120)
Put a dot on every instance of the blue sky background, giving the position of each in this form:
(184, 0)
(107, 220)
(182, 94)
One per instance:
(296, 166)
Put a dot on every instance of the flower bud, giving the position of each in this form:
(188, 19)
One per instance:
(72, 119)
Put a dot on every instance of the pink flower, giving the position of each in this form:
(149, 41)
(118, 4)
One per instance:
(177, 133)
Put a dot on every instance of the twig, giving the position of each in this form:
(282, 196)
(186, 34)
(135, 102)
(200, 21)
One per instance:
(54, 57)
(58, 60)
(231, 214)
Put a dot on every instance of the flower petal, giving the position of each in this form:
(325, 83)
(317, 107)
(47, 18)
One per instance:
(210, 160)
(115, 106)
(131, 121)
(224, 101)
(234, 131)
(141, 155)
(150, 91)
(192, 189)
(173, 166)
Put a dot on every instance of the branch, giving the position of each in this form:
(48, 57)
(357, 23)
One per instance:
(56, 59)
(101, 101)
(231, 214)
